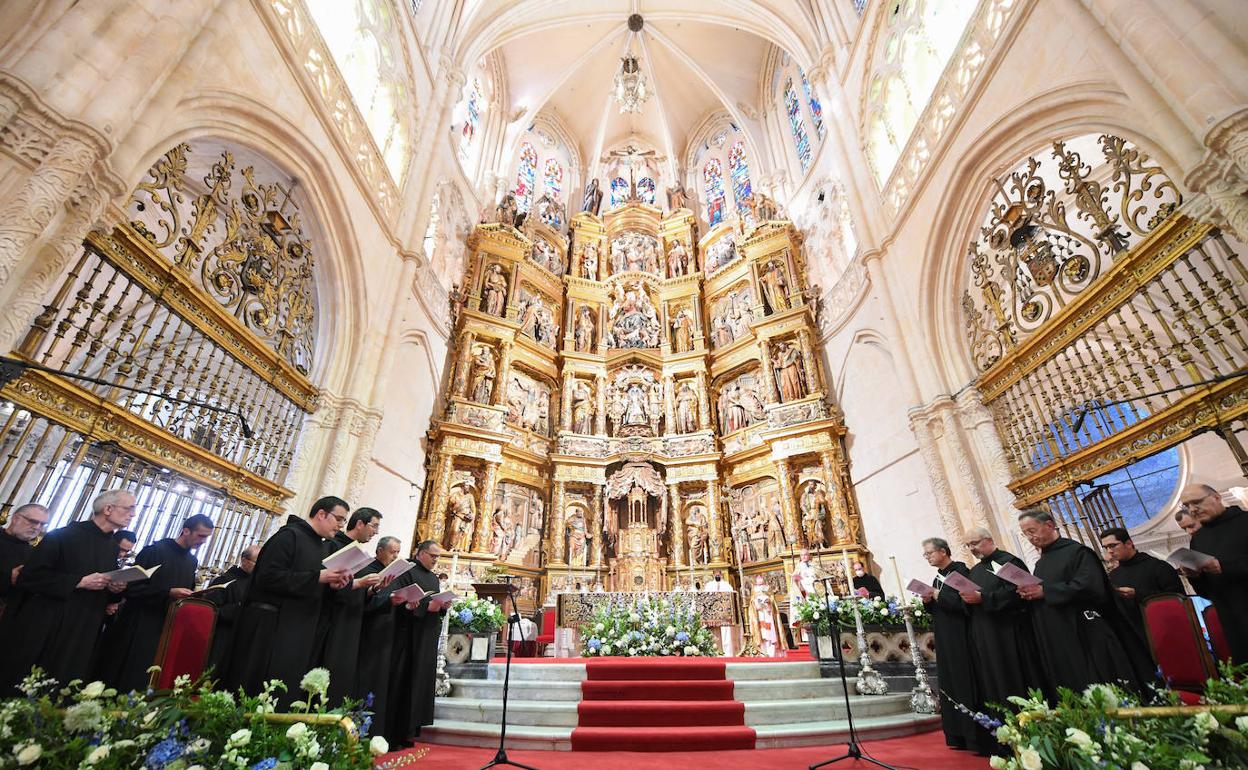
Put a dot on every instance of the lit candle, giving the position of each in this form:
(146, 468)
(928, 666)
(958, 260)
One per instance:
(451, 579)
(901, 590)
(849, 573)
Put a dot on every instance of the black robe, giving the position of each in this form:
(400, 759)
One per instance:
(1149, 576)
(1084, 637)
(871, 583)
(341, 650)
(373, 668)
(13, 553)
(414, 661)
(1005, 642)
(1226, 539)
(281, 625)
(52, 623)
(229, 601)
(955, 664)
(128, 648)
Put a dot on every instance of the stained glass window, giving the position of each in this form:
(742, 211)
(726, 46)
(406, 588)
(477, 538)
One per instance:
(526, 176)
(645, 189)
(798, 125)
(816, 109)
(859, 6)
(713, 181)
(472, 119)
(619, 191)
(739, 169)
(552, 176)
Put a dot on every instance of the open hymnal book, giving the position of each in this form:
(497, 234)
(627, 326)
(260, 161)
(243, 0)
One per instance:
(959, 582)
(131, 574)
(351, 559)
(1189, 559)
(920, 588)
(1012, 573)
(396, 568)
(415, 593)
(206, 589)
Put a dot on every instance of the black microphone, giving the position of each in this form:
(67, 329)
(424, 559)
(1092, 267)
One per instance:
(1079, 420)
(243, 426)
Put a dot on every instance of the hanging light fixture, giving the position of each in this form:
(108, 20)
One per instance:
(631, 90)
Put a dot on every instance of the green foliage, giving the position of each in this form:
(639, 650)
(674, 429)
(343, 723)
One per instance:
(646, 627)
(194, 726)
(478, 616)
(875, 612)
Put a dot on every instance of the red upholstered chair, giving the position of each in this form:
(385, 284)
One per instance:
(547, 624)
(185, 642)
(1217, 637)
(1178, 643)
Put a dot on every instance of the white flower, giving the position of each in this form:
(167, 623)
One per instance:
(1138, 766)
(296, 731)
(1007, 734)
(1029, 759)
(605, 649)
(93, 690)
(634, 617)
(28, 754)
(690, 649)
(97, 755)
(600, 628)
(670, 630)
(1205, 722)
(1106, 694)
(378, 746)
(240, 737)
(84, 716)
(316, 681)
(1080, 739)
(322, 765)
(196, 767)
(1241, 724)
(198, 745)
(998, 763)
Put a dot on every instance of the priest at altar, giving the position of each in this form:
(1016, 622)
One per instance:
(728, 633)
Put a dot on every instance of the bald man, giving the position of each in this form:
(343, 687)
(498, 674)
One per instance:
(1223, 534)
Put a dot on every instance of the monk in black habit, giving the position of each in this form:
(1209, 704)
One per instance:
(282, 624)
(414, 662)
(1084, 637)
(25, 524)
(1138, 575)
(228, 591)
(128, 648)
(377, 637)
(1001, 630)
(955, 657)
(341, 650)
(54, 622)
(1223, 534)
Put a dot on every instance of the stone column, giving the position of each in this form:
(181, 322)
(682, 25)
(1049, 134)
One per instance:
(485, 511)
(769, 375)
(715, 527)
(504, 367)
(980, 512)
(600, 419)
(677, 524)
(565, 420)
(704, 402)
(787, 507)
(977, 419)
(669, 399)
(367, 424)
(558, 546)
(465, 364)
(945, 508)
(599, 526)
(814, 377)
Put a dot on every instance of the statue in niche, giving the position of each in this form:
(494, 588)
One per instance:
(721, 332)
(589, 261)
(719, 254)
(504, 534)
(695, 534)
(506, 212)
(677, 198)
(549, 211)
(686, 408)
(463, 511)
(481, 381)
(765, 209)
(593, 198)
(583, 331)
(656, 406)
(542, 423)
(528, 404)
(582, 407)
(677, 260)
(635, 398)
(777, 541)
(530, 309)
(634, 323)
(636, 405)
(739, 404)
(840, 528)
(494, 291)
(546, 330)
(789, 375)
(775, 287)
(578, 539)
(682, 331)
(545, 255)
(814, 507)
(619, 257)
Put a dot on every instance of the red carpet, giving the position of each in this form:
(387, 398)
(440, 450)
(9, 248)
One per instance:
(666, 704)
(926, 752)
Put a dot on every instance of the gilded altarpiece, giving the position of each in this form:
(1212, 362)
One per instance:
(633, 407)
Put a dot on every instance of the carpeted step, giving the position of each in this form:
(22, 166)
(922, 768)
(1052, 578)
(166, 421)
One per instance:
(660, 713)
(644, 689)
(662, 738)
(652, 668)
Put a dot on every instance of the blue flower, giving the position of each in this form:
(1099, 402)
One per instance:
(164, 752)
(681, 636)
(268, 763)
(594, 643)
(465, 616)
(366, 724)
(368, 701)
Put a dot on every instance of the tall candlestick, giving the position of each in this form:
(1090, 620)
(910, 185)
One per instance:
(849, 579)
(454, 564)
(901, 590)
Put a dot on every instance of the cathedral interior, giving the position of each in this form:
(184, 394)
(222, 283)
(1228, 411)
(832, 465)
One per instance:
(627, 292)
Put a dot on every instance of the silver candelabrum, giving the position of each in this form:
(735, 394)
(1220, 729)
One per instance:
(921, 699)
(870, 682)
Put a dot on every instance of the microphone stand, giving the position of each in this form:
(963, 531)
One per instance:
(513, 620)
(853, 750)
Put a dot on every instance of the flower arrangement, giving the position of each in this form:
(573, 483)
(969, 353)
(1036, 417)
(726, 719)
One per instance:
(192, 727)
(888, 613)
(647, 626)
(476, 616)
(1087, 730)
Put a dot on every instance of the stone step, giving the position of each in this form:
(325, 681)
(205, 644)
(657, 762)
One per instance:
(530, 713)
(492, 689)
(459, 733)
(837, 731)
(539, 672)
(796, 711)
(788, 689)
(741, 672)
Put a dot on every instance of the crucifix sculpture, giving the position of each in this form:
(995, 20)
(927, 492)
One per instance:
(630, 156)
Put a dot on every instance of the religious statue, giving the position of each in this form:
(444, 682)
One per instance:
(686, 408)
(765, 209)
(719, 254)
(593, 198)
(777, 538)
(775, 287)
(682, 331)
(583, 331)
(731, 412)
(634, 322)
(636, 404)
(789, 377)
(494, 291)
(677, 198)
(721, 332)
(578, 540)
(502, 535)
(589, 261)
(530, 310)
(507, 212)
(766, 618)
(814, 507)
(677, 260)
(455, 303)
(481, 380)
(542, 423)
(656, 406)
(752, 404)
(463, 513)
(582, 407)
(549, 211)
(695, 535)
